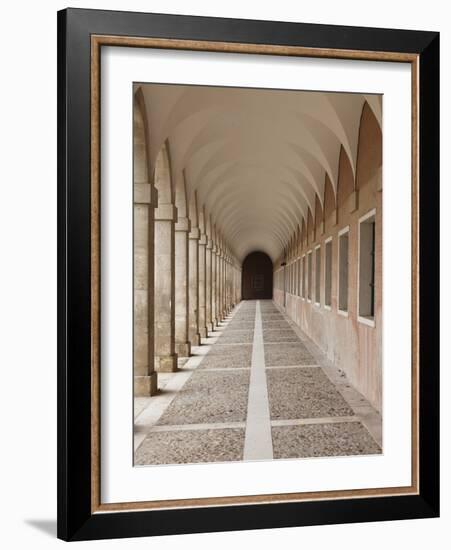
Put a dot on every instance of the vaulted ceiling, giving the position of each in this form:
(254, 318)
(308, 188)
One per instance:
(255, 159)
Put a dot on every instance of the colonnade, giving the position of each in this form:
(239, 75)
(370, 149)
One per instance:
(196, 283)
(212, 185)
(186, 280)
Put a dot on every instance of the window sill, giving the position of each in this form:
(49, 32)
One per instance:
(342, 312)
(368, 321)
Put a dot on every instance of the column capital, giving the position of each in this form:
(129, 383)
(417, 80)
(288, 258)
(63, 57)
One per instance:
(194, 234)
(203, 240)
(183, 224)
(209, 244)
(166, 212)
(145, 193)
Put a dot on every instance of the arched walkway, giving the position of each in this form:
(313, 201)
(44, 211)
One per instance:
(257, 273)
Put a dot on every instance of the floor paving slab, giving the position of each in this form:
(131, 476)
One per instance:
(210, 397)
(242, 360)
(240, 325)
(191, 446)
(319, 440)
(230, 350)
(279, 335)
(237, 337)
(286, 354)
(303, 393)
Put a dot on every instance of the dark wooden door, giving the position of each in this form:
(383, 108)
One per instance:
(257, 277)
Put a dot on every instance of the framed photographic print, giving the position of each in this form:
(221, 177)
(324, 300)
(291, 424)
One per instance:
(248, 274)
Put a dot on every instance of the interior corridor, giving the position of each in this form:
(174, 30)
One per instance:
(257, 390)
(257, 273)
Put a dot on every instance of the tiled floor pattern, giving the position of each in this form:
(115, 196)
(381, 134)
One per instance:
(204, 412)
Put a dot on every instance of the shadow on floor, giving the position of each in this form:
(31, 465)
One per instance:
(46, 526)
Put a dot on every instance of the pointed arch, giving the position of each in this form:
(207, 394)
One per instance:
(369, 156)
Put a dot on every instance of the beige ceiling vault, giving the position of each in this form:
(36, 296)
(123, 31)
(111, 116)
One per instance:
(255, 159)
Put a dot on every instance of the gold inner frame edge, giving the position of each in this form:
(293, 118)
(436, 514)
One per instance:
(97, 41)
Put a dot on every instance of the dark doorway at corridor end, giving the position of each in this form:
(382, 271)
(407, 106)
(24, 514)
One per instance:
(257, 277)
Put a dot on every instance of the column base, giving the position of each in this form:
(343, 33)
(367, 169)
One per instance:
(145, 386)
(203, 332)
(166, 363)
(195, 340)
(210, 327)
(183, 349)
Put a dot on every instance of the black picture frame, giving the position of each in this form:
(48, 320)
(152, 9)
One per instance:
(76, 521)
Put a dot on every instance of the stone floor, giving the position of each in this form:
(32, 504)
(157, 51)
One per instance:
(256, 389)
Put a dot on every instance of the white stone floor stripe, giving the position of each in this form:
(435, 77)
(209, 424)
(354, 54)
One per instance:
(235, 343)
(184, 427)
(291, 366)
(258, 439)
(226, 369)
(229, 330)
(324, 420)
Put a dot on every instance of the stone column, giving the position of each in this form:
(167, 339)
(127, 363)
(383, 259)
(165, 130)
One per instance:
(145, 377)
(213, 286)
(220, 316)
(240, 285)
(165, 356)
(182, 344)
(223, 308)
(217, 273)
(231, 286)
(228, 295)
(193, 298)
(202, 285)
(226, 290)
(208, 293)
(235, 286)
(225, 287)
